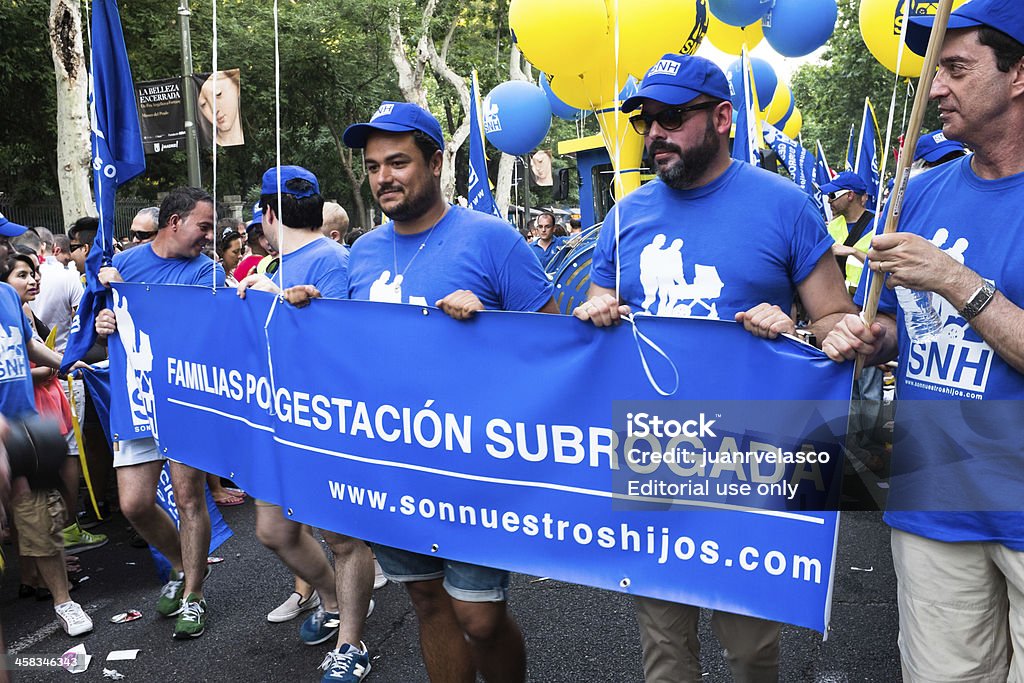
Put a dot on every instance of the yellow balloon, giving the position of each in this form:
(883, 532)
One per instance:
(779, 106)
(730, 39)
(555, 34)
(880, 24)
(793, 126)
(593, 88)
(651, 29)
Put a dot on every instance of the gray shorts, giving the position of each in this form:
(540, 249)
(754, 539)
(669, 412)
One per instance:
(137, 452)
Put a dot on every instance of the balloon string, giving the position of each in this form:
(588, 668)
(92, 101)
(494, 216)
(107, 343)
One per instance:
(213, 283)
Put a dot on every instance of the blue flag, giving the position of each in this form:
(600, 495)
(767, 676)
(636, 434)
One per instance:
(746, 143)
(851, 149)
(478, 186)
(822, 175)
(866, 162)
(117, 157)
(797, 160)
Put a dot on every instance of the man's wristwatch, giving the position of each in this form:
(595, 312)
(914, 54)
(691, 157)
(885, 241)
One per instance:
(978, 301)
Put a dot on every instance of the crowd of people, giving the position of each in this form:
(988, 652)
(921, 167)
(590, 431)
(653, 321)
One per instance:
(959, 560)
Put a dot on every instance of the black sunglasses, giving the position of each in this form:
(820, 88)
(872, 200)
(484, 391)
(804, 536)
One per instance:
(75, 247)
(140, 235)
(669, 119)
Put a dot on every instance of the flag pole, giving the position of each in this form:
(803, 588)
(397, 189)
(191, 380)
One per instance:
(924, 86)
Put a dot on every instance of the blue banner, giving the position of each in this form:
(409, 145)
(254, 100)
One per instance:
(793, 156)
(866, 163)
(478, 184)
(438, 438)
(822, 176)
(746, 143)
(117, 157)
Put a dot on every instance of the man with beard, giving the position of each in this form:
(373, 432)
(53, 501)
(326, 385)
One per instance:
(715, 238)
(461, 261)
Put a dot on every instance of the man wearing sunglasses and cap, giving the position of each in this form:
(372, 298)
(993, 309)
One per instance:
(957, 489)
(716, 238)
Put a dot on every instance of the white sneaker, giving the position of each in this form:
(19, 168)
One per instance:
(293, 607)
(379, 580)
(73, 618)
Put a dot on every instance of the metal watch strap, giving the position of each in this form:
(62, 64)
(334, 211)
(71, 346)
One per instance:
(978, 301)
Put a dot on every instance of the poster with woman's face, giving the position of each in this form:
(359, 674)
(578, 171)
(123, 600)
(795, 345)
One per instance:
(219, 104)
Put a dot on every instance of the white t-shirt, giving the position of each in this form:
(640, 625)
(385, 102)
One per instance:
(60, 291)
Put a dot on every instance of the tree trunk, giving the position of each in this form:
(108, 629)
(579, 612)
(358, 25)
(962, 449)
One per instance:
(410, 81)
(73, 144)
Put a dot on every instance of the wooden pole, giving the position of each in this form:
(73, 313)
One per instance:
(924, 86)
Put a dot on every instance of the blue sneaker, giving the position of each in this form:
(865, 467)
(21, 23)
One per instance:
(348, 664)
(319, 627)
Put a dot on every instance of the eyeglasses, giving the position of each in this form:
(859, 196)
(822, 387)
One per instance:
(832, 196)
(669, 119)
(75, 247)
(140, 235)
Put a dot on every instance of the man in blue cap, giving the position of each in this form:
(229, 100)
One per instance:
(957, 490)
(754, 241)
(934, 149)
(187, 220)
(463, 262)
(852, 226)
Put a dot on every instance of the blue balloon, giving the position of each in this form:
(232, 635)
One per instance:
(795, 28)
(765, 80)
(738, 12)
(517, 116)
(558, 107)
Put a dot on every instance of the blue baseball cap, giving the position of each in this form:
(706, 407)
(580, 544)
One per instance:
(847, 180)
(933, 146)
(289, 173)
(395, 117)
(676, 79)
(9, 228)
(1003, 15)
(257, 215)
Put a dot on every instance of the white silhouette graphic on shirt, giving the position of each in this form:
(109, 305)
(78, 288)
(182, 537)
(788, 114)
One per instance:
(662, 279)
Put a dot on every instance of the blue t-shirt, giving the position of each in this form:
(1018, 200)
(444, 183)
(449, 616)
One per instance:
(16, 396)
(958, 467)
(544, 255)
(465, 250)
(141, 264)
(322, 263)
(747, 237)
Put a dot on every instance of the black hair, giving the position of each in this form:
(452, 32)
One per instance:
(8, 266)
(427, 145)
(1008, 50)
(554, 221)
(180, 202)
(225, 241)
(307, 212)
(84, 229)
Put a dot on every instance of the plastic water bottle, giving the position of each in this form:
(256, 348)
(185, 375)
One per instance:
(919, 315)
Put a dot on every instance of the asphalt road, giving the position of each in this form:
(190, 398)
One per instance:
(573, 633)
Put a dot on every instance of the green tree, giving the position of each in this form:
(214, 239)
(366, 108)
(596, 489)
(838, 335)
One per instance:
(831, 94)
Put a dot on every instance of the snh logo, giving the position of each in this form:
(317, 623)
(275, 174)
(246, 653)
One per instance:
(383, 110)
(666, 67)
(138, 368)
(12, 357)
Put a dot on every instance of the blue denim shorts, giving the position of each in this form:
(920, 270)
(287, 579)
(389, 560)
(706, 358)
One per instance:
(462, 581)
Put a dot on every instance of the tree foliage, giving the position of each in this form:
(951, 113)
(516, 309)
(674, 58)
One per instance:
(831, 94)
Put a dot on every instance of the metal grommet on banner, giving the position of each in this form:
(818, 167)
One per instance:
(290, 512)
(434, 548)
(426, 311)
(625, 583)
(231, 475)
(165, 449)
